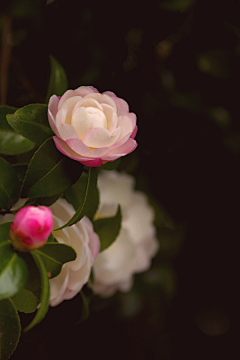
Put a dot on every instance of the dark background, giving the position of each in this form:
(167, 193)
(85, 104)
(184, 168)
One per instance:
(177, 64)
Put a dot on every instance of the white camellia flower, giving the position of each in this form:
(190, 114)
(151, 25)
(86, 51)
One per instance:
(136, 243)
(83, 239)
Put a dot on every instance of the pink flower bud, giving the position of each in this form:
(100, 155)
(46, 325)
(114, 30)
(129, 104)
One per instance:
(31, 227)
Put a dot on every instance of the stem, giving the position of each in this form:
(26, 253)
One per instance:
(5, 57)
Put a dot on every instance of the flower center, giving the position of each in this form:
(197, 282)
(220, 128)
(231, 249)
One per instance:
(96, 118)
(86, 119)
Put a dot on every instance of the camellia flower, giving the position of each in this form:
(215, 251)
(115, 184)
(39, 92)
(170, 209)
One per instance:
(90, 127)
(136, 243)
(31, 227)
(85, 242)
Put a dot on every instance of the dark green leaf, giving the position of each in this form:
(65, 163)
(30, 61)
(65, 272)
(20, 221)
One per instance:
(108, 229)
(47, 201)
(9, 185)
(34, 280)
(90, 198)
(31, 121)
(50, 172)
(13, 271)
(54, 255)
(45, 292)
(11, 143)
(111, 165)
(76, 194)
(58, 83)
(51, 239)
(4, 231)
(20, 170)
(10, 329)
(25, 301)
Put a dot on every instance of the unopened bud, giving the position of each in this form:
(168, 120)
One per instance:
(31, 227)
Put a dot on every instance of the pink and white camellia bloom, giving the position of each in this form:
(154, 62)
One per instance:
(90, 127)
(83, 239)
(31, 227)
(136, 244)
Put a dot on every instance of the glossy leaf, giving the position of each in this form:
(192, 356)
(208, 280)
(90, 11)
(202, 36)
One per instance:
(9, 185)
(54, 255)
(58, 83)
(10, 329)
(25, 301)
(50, 172)
(4, 231)
(45, 292)
(21, 170)
(31, 121)
(76, 194)
(13, 271)
(11, 143)
(88, 203)
(108, 229)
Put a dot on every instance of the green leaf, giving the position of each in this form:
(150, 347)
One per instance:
(34, 279)
(21, 170)
(50, 172)
(108, 229)
(9, 185)
(47, 201)
(25, 301)
(10, 329)
(4, 231)
(89, 198)
(111, 165)
(11, 143)
(76, 194)
(54, 255)
(45, 292)
(13, 271)
(58, 83)
(31, 121)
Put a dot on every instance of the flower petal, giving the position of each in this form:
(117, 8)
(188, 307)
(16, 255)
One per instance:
(103, 99)
(66, 95)
(134, 132)
(65, 149)
(79, 147)
(100, 137)
(52, 123)
(53, 105)
(85, 90)
(111, 117)
(123, 150)
(133, 117)
(126, 126)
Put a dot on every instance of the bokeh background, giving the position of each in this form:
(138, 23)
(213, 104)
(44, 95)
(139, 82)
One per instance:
(176, 62)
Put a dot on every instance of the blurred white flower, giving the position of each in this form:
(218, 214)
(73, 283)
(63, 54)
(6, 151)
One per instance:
(84, 241)
(136, 244)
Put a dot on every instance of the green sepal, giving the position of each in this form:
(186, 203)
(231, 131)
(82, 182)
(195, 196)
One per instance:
(108, 229)
(10, 328)
(58, 83)
(50, 172)
(13, 271)
(9, 185)
(31, 121)
(89, 197)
